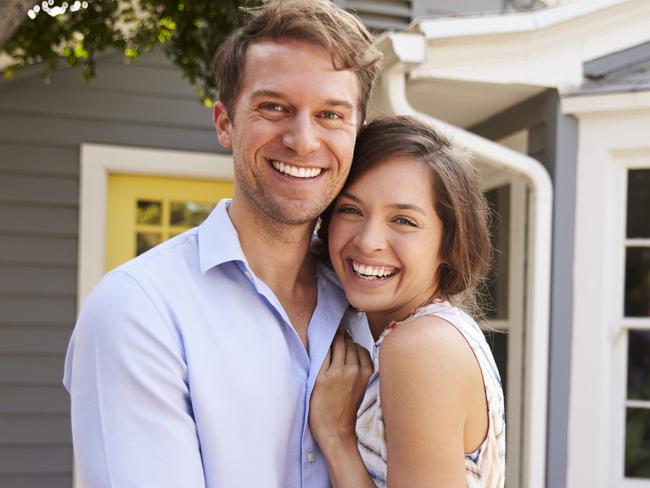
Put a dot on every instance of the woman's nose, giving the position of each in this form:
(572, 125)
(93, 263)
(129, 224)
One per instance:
(371, 238)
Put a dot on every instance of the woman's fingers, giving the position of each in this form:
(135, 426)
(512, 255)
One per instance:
(351, 357)
(346, 356)
(364, 358)
(326, 362)
(338, 350)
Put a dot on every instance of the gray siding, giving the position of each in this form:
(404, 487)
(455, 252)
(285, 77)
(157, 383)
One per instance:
(552, 140)
(424, 8)
(145, 104)
(381, 15)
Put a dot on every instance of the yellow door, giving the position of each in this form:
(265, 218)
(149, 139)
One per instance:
(144, 211)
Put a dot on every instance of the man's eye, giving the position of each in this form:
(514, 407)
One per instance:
(272, 107)
(332, 116)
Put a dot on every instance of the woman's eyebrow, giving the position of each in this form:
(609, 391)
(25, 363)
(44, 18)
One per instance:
(408, 206)
(398, 206)
(349, 196)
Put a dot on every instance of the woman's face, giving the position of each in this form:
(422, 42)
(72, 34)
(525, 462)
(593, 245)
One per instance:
(384, 240)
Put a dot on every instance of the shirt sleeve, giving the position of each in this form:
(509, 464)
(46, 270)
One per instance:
(132, 422)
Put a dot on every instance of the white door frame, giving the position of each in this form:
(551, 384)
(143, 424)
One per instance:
(97, 162)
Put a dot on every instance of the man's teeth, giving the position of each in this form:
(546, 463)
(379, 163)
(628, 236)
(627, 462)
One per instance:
(372, 272)
(296, 171)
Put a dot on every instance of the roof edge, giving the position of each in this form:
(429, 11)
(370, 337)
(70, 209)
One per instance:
(509, 23)
(616, 61)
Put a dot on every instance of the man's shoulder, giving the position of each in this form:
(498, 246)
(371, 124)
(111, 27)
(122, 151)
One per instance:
(178, 255)
(149, 279)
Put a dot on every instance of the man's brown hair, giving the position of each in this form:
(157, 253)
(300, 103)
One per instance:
(340, 33)
(465, 250)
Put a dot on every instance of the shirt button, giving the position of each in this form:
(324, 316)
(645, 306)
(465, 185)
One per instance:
(311, 457)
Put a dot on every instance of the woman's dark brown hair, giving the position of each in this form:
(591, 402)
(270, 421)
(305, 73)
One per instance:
(465, 250)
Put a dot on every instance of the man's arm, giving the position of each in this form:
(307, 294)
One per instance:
(132, 422)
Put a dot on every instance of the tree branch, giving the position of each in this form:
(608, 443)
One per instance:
(12, 14)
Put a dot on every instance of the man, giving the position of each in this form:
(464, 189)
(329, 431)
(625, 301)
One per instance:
(193, 364)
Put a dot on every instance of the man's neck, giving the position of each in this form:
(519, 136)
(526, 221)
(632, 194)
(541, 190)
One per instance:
(277, 253)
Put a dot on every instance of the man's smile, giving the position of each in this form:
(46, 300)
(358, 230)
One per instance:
(295, 171)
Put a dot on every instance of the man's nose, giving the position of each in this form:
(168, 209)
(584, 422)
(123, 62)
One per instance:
(371, 237)
(301, 135)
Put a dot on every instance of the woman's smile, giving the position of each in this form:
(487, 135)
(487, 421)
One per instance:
(384, 239)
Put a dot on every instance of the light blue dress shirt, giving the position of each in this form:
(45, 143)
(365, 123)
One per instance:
(184, 371)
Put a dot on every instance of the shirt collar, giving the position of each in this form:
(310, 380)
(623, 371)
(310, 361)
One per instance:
(218, 239)
(328, 273)
(219, 243)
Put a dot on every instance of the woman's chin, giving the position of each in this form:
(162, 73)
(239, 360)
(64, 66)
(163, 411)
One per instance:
(368, 304)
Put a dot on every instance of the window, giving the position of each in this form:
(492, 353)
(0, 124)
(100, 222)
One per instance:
(503, 298)
(636, 299)
(143, 211)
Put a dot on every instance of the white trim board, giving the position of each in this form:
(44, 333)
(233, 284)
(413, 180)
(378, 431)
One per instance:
(390, 97)
(97, 161)
(465, 25)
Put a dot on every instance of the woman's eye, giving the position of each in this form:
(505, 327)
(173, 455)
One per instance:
(405, 221)
(348, 210)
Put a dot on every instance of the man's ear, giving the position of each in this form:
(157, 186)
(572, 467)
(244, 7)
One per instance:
(222, 123)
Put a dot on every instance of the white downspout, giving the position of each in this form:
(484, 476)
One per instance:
(401, 52)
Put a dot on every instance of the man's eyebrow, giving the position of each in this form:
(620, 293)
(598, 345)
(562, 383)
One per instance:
(331, 102)
(335, 102)
(267, 93)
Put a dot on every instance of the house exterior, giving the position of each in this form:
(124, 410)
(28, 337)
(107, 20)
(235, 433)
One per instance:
(567, 86)
(554, 103)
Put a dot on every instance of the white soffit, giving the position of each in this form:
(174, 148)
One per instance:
(606, 103)
(546, 47)
(462, 26)
(465, 103)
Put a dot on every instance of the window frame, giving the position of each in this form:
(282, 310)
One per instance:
(515, 323)
(621, 325)
(97, 161)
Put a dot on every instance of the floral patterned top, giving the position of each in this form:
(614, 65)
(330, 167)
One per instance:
(485, 467)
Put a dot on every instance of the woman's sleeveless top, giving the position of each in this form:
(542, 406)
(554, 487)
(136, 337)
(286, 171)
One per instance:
(485, 467)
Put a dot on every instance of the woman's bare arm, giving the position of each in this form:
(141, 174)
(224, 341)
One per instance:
(429, 378)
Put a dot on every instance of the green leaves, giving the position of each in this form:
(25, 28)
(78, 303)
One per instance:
(188, 31)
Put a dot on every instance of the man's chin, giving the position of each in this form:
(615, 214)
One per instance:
(295, 213)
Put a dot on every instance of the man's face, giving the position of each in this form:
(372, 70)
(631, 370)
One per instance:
(293, 130)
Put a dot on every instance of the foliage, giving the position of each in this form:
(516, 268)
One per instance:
(188, 30)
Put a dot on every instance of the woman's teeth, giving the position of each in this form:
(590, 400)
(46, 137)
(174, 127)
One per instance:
(372, 272)
(295, 171)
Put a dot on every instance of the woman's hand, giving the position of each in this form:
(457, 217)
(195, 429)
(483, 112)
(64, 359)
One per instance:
(338, 392)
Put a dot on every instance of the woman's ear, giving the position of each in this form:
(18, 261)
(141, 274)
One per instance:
(222, 124)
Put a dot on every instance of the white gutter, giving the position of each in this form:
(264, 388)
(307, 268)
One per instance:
(461, 26)
(402, 52)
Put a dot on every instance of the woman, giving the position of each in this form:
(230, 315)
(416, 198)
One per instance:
(408, 239)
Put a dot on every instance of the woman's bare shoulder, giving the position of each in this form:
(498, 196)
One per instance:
(428, 348)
